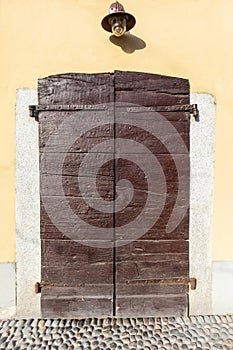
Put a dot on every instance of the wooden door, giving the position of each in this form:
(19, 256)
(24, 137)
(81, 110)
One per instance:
(133, 270)
(77, 274)
(152, 270)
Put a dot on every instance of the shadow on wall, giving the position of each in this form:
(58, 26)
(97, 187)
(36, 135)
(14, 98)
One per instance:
(128, 42)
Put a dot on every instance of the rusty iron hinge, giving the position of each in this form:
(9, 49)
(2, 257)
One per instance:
(192, 109)
(35, 109)
(39, 285)
(192, 282)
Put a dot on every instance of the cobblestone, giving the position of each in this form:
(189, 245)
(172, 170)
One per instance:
(193, 333)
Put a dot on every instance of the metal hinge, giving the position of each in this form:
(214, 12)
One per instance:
(40, 285)
(192, 109)
(35, 109)
(192, 282)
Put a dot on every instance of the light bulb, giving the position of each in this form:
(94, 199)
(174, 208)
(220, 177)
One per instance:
(118, 25)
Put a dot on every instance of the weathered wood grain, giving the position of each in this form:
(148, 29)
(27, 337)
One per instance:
(101, 164)
(70, 183)
(80, 208)
(176, 138)
(157, 232)
(152, 305)
(76, 88)
(149, 98)
(151, 267)
(149, 247)
(81, 291)
(83, 278)
(61, 227)
(150, 89)
(124, 166)
(143, 262)
(76, 307)
(69, 263)
(60, 132)
(88, 140)
(146, 81)
(142, 288)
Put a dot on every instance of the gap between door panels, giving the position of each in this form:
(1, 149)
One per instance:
(114, 206)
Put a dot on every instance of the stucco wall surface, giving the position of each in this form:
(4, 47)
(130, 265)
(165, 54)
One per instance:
(190, 39)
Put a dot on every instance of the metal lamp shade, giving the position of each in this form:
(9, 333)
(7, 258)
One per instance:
(130, 20)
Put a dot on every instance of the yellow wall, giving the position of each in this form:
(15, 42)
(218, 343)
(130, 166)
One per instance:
(186, 38)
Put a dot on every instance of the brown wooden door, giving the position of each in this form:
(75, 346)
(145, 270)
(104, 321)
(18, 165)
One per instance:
(150, 268)
(107, 262)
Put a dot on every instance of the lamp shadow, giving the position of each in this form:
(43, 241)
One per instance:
(128, 42)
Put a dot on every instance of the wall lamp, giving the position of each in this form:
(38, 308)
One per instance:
(118, 21)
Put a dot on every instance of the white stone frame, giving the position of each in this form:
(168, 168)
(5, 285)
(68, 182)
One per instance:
(28, 251)
(202, 153)
(28, 256)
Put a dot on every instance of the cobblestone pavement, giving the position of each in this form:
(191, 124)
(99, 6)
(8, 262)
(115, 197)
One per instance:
(199, 333)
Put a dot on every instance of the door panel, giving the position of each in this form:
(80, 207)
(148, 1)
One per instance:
(160, 172)
(77, 268)
(126, 254)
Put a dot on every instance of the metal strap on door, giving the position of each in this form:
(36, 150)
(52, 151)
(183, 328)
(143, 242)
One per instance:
(35, 109)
